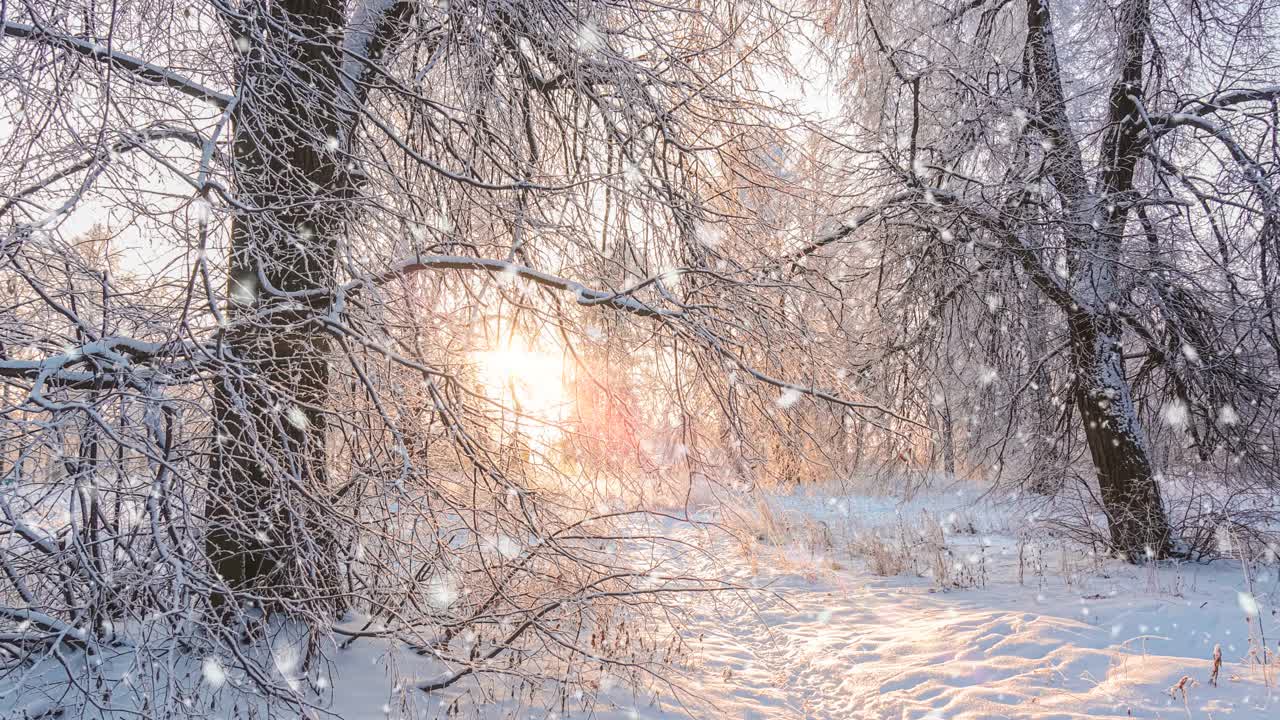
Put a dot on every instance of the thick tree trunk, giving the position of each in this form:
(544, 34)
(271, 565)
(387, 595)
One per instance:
(269, 491)
(1094, 232)
(1136, 517)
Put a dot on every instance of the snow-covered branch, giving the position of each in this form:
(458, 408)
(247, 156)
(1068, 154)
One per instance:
(512, 271)
(147, 71)
(106, 361)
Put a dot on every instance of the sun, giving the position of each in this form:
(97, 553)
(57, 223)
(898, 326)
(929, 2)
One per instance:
(532, 382)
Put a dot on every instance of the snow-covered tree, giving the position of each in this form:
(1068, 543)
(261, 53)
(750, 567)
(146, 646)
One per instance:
(1081, 196)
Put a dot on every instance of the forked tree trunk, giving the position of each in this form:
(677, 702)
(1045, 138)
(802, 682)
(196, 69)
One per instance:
(268, 537)
(1094, 231)
(1136, 517)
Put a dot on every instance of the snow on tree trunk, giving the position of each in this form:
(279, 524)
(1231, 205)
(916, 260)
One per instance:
(1136, 517)
(1094, 232)
(269, 483)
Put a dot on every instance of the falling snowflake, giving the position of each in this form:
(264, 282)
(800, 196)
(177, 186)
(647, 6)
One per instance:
(214, 674)
(710, 235)
(509, 276)
(1248, 603)
(1060, 267)
(1175, 414)
(1227, 415)
(526, 48)
(443, 223)
(590, 40)
(632, 173)
(1222, 539)
(442, 591)
(505, 545)
(297, 418)
(201, 210)
(244, 288)
(1190, 354)
(790, 396)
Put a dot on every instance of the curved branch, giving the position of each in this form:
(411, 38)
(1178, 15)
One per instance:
(141, 68)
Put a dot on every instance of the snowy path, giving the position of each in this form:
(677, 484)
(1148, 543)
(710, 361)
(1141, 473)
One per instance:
(822, 638)
(841, 643)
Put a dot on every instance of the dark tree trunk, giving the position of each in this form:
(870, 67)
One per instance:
(1094, 233)
(269, 488)
(1136, 517)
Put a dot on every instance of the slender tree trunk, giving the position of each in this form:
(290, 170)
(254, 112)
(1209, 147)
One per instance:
(1048, 472)
(947, 438)
(1136, 517)
(269, 486)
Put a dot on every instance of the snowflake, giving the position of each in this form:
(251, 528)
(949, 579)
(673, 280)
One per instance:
(710, 235)
(1227, 415)
(214, 674)
(297, 418)
(1060, 267)
(1175, 414)
(671, 278)
(1222, 539)
(505, 545)
(244, 288)
(443, 223)
(201, 210)
(790, 396)
(632, 173)
(510, 276)
(590, 40)
(443, 591)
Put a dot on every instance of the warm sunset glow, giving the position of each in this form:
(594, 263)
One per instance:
(533, 382)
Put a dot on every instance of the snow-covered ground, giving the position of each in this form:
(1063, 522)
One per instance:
(1020, 626)
(831, 640)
